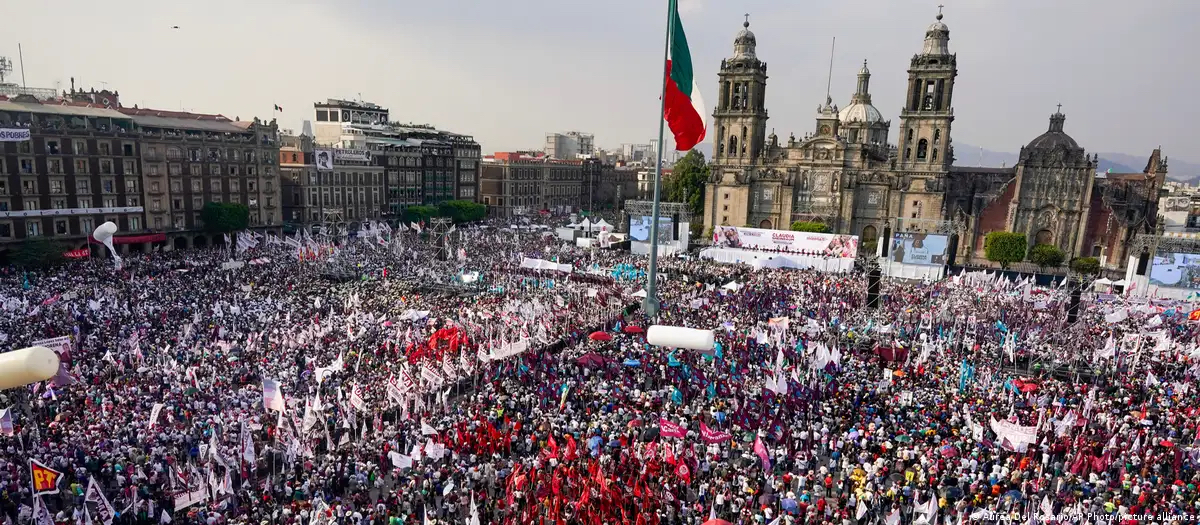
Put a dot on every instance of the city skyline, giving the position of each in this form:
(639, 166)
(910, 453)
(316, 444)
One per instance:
(509, 74)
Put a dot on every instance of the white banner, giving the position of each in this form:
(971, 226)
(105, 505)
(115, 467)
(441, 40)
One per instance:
(14, 135)
(828, 244)
(360, 155)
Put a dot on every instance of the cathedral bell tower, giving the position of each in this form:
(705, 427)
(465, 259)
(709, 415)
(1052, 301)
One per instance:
(740, 117)
(927, 114)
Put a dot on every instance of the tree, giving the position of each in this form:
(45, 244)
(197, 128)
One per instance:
(1005, 248)
(686, 183)
(810, 227)
(37, 253)
(1047, 256)
(421, 213)
(462, 211)
(1086, 265)
(225, 217)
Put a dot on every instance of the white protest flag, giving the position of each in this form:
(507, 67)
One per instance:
(861, 510)
(154, 413)
(427, 430)
(474, 511)
(248, 444)
(356, 399)
(104, 510)
(893, 518)
(41, 515)
(6, 422)
(273, 396)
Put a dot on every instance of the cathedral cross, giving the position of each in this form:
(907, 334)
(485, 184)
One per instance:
(1060, 108)
(747, 15)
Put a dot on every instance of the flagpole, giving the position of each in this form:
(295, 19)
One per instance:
(650, 304)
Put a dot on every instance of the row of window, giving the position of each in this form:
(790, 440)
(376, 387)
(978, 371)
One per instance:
(176, 170)
(62, 226)
(78, 147)
(30, 186)
(64, 204)
(214, 185)
(177, 203)
(202, 155)
(28, 166)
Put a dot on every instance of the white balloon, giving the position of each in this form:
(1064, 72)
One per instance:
(104, 232)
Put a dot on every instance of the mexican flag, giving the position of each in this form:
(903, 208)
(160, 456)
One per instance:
(683, 109)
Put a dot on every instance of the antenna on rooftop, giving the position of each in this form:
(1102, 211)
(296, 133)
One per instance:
(6, 67)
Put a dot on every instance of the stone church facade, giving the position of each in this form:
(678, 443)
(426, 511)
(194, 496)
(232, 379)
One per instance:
(846, 174)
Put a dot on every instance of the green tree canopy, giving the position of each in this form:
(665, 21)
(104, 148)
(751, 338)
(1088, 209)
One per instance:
(1086, 265)
(810, 227)
(420, 213)
(1047, 256)
(462, 211)
(37, 253)
(225, 217)
(686, 183)
(1004, 248)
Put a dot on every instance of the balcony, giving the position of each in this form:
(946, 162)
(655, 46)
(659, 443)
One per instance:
(156, 191)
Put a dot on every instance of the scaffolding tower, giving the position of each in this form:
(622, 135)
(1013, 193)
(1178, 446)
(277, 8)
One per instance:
(439, 235)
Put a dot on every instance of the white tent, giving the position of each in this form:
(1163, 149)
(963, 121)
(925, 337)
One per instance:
(601, 224)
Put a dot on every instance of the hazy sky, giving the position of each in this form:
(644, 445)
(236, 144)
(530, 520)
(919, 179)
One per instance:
(507, 72)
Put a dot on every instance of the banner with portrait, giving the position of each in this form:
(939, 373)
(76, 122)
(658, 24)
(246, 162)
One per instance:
(827, 244)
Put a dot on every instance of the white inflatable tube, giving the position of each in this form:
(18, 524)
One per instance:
(680, 337)
(27, 366)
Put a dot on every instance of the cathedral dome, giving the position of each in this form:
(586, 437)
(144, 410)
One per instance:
(745, 36)
(1055, 137)
(744, 43)
(860, 112)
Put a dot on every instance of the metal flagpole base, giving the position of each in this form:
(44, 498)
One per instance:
(650, 306)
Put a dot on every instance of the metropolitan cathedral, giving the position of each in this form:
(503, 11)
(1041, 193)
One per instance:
(846, 174)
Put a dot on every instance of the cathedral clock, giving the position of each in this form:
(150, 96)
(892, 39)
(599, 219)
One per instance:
(825, 130)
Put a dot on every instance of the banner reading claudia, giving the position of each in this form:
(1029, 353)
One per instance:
(828, 244)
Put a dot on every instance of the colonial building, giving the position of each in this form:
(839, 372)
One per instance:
(846, 173)
(67, 168)
(423, 165)
(515, 183)
(189, 159)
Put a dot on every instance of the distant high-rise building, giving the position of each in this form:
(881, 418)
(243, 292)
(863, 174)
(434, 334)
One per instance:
(570, 145)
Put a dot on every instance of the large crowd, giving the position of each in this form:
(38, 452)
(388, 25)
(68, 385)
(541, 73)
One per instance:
(476, 389)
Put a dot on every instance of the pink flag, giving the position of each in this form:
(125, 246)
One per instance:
(669, 429)
(713, 436)
(761, 450)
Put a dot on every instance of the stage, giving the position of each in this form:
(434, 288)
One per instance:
(760, 259)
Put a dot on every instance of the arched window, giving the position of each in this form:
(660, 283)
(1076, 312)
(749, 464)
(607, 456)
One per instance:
(765, 224)
(1044, 237)
(721, 145)
(733, 145)
(869, 233)
(922, 149)
(937, 137)
(910, 134)
(907, 153)
(935, 154)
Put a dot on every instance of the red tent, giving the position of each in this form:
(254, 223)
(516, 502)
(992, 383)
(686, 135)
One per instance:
(600, 336)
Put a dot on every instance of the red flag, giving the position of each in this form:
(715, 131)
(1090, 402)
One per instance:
(709, 435)
(570, 448)
(45, 479)
(670, 429)
(553, 447)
